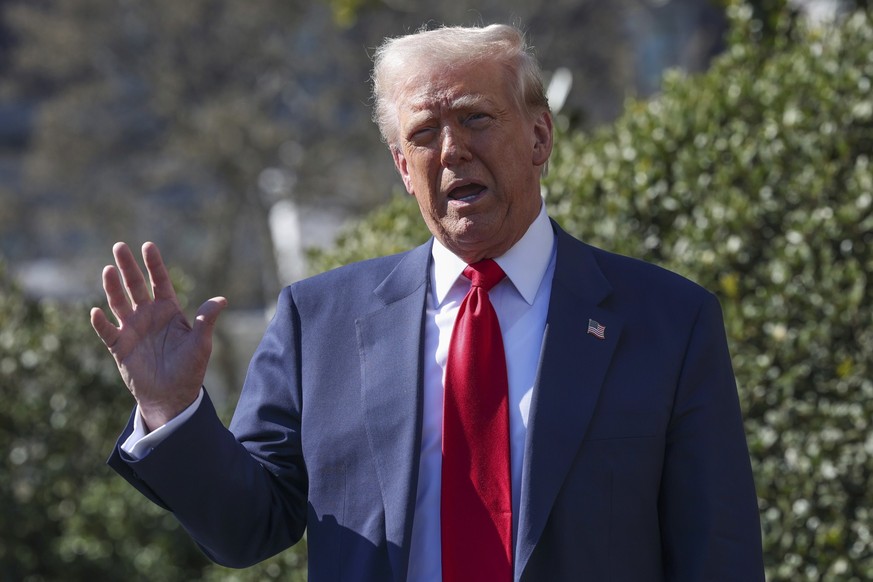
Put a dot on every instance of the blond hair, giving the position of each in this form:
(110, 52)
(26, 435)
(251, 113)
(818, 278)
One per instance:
(450, 46)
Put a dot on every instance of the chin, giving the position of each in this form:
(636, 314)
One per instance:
(473, 248)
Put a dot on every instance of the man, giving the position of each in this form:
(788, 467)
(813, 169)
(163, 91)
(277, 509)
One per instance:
(609, 442)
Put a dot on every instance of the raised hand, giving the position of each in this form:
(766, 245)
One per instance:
(161, 356)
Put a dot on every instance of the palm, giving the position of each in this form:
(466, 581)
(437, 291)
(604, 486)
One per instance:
(161, 356)
(157, 348)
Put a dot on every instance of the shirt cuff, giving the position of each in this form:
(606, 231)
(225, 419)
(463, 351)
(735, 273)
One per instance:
(141, 442)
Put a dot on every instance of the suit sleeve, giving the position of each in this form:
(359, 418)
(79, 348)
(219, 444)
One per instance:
(708, 506)
(240, 493)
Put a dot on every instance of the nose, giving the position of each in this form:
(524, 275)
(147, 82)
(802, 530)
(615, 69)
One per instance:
(454, 148)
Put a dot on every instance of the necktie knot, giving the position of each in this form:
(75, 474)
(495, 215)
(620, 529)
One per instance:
(485, 273)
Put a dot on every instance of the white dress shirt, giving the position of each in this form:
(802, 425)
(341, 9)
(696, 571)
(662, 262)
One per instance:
(521, 301)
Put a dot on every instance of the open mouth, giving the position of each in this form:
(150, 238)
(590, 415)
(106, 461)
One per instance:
(466, 193)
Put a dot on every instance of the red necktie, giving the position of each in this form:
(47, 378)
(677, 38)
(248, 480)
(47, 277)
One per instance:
(476, 504)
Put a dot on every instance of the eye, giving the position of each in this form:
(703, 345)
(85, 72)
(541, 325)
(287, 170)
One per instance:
(477, 119)
(422, 135)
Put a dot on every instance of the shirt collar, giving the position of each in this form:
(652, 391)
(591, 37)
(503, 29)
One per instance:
(524, 264)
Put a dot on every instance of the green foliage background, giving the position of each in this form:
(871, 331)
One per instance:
(65, 515)
(753, 179)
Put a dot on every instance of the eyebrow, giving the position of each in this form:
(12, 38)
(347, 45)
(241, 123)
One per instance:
(468, 101)
(465, 101)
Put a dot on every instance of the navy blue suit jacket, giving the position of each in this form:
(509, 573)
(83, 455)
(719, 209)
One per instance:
(636, 467)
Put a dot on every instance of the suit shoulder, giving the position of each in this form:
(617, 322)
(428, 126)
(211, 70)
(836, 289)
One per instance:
(654, 298)
(355, 274)
(642, 276)
(353, 287)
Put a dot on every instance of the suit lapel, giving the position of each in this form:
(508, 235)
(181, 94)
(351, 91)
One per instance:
(390, 342)
(573, 364)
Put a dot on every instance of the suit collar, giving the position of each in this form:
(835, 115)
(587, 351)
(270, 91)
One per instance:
(391, 393)
(572, 367)
(408, 277)
(578, 271)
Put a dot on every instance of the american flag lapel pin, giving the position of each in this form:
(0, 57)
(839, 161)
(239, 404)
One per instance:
(596, 329)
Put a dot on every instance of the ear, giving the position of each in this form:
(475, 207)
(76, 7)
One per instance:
(402, 169)
(542, 131)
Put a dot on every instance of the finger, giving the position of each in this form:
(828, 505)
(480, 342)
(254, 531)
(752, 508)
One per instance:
(115, 294)
(131, 274)
(162, 286)
(104, 328)
(208, 314)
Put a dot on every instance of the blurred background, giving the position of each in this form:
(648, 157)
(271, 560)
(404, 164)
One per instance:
(236, 135)
(727, 140)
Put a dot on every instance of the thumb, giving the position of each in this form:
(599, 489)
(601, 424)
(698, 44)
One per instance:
(208, 313)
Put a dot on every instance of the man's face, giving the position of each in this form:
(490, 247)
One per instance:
(471, 157)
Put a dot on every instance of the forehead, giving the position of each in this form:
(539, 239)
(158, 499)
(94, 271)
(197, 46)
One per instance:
(457, 87)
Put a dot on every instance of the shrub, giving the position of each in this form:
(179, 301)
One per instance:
(66, 516)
